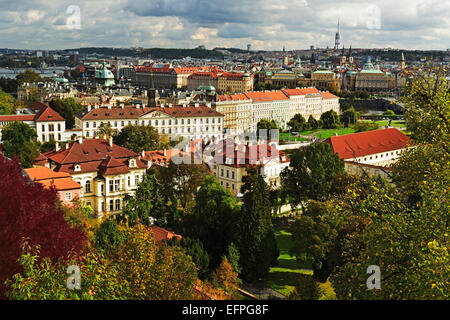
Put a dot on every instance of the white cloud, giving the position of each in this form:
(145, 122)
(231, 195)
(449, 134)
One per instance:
(421, 24)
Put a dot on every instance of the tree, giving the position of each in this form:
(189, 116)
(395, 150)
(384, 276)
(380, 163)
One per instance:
(67, 108)
(330, 120)
(43, 279)
(137, 269)
(257, 246)
(427, 108)
(213, 219)
(266, 124)
(138, 138)
(154, 272)
(147, 206)
(306, 288)
(225, 278)
(298, 123)
(106, 129)
(29, 211)
(19, 140)
(28, 76)
(313, 123)
(194, 248)
(403, 229)
(349, 116)
(109, 236)
(388, 112)
(314, 234)
(7, 103)
(361, 126)
(182, 180)
(314, 173)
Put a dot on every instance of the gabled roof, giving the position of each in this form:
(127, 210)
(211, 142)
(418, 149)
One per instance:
(361, 144)
(111, 165)
(48, 114)
(89, 150)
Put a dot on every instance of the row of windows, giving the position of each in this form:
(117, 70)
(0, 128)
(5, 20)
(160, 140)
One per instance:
(51, 137)
(114, 205)
(156, 122)
(51, 127)
(381, 156)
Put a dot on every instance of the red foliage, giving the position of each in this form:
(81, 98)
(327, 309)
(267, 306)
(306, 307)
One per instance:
(28, 211)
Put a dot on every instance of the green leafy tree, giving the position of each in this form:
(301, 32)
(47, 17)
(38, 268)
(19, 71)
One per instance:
(298, 123)
(19, 139)
(266, 124)
(182, 180)
(427, 108)
(349, 116)
(106, 129)
(138, 138)
(314, 234)
(213, 219)
(67, 108)
(257, 246)
(362, 126)
(233, 256)
(313, 124)
(388, 112)
(314, 173)
(7, 103)
(147, 205)
(194, 248)
(29, 76)
(109, 236)
(404, 228)
(330, 120)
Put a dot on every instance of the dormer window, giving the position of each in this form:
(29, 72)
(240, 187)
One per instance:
(132, 163)
(77, 167)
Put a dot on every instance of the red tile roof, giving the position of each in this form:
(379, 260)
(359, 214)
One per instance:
(161, 234)
(328, 95)
(365, 143)
(300, 91)
(91, 155)
(48, 114)
(18, 117)
(259, 96)
(188, 111)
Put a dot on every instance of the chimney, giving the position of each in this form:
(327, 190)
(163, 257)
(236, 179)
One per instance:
(80, 140)
(196, 104)
(165, 152)
(142, 153)
(170, 105)
(89, 108)
(57, 148)
(138, 106)
(110, 141)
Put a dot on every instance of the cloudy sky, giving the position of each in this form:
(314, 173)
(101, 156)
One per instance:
(265, 24)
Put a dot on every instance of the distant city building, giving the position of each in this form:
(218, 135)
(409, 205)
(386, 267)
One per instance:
(49, 125)
(192, 121)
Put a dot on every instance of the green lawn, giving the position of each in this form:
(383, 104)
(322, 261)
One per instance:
(283, 277)
(394, 123)
(320, 133)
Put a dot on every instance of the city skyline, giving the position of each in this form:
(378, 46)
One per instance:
(406, 25)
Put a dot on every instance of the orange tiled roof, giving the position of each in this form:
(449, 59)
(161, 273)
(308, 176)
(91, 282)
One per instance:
(365, 143)
(260, 96)
(300, 91)
(47, 177)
